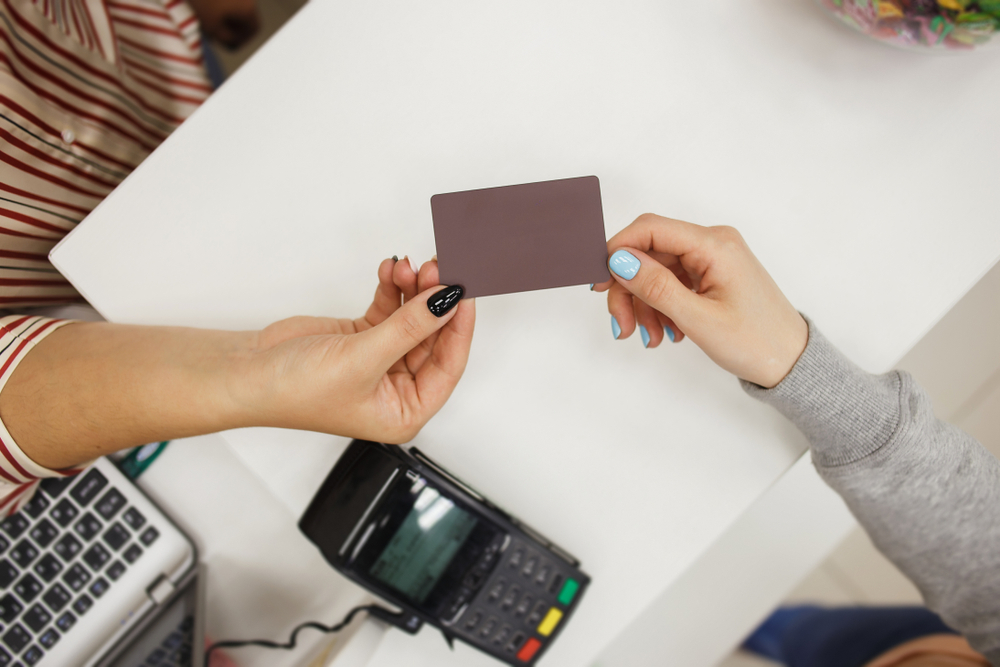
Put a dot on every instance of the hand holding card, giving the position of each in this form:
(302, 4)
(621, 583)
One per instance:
(520, 238)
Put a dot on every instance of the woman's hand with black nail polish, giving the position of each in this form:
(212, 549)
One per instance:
(379, 377)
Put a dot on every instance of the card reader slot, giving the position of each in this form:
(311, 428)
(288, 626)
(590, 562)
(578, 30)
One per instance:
(423, 458)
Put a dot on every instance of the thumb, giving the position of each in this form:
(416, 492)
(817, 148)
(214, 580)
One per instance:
(654, 284)
(412, 324)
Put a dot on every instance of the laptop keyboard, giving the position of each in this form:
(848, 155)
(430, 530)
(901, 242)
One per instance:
(66, 547)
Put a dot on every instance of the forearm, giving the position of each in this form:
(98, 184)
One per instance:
(89, 389)
(927, 493)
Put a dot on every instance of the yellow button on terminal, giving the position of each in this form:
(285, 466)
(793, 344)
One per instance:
(550, 622)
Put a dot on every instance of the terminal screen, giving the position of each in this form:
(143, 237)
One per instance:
(419, 553)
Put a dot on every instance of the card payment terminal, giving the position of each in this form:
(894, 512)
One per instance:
(399, 525)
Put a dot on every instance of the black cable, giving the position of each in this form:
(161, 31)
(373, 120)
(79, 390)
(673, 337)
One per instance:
(233, 643)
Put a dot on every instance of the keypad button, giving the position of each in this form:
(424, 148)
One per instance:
(523, 606)
(28, 588)
(116, 536)
(87, 527)
(90, 484)
(64, 512)
(9, 608)
(543, 574)
(556, 583)
(8, 573)
(149, 536)
(99, 587)
(49, 639)
(66, 621)
(535, 617)
(489, 626)
(568, 592)
(496, 590)
(515, 642)
(110, 504)
(550, 622)
(67, 547)
(510, 597)
(516, 558)
(529, 567)
(82, 604)
(57, 597)
(76, 577)
(23, 553)
(43, 533)
(96, 557)
(134, 518)
(38, 504)
(116, 570)
(36, 618)
(16, 638)
(48, 568)
(14, 525)
(132, 554)
(473, 619)
(53, 486)
(32, 656)
(529, 649)
(503, 635)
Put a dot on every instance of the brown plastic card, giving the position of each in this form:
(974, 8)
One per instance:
(519, 238)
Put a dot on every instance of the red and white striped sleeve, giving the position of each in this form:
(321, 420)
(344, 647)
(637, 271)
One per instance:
(19, 475)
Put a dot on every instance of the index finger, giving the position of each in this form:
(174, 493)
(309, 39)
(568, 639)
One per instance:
(655, 233)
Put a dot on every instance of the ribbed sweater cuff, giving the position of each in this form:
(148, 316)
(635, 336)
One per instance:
(846, 413)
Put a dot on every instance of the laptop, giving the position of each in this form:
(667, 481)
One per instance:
(94, 574)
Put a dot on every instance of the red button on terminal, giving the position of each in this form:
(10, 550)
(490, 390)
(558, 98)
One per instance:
(529, 650)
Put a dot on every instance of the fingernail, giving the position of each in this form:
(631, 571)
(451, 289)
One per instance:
(645, 336)
(669, 332)
(615, 329)
(395, 259)
(624, 264)
(412, 266)
(443, 301)
(591, 287)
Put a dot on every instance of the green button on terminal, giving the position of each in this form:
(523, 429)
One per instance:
(568, 591)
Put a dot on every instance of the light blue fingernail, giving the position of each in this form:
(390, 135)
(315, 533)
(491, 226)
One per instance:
(615, 329)
(645, 336)
(624, 264)
(670, 332)
(591, 287)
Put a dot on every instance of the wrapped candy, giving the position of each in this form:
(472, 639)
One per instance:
(933, 24)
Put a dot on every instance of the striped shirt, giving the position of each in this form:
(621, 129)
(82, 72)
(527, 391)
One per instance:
(88, 88)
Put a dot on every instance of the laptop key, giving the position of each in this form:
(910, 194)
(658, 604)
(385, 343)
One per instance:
(99, 587)
(48, 568)
(16, 638)
(23, 553)
(49, 639)
(149, 536)
(36, 618)
(32, 655)
(110, 504)
(53, 486)
(90, 484)
(4, 543)
(87, 527)
(8, 573)
(4, 658)
(132, 554)
(76, 577)
(57, 597)
(64, 512)
(38, 504)
(134, 518)
(67, 547)
(96, 557)
(115, 570)
(28, 588)
(66, 621)
(9, 608)
(43, 533)
(82, 604)
(116, 536)
(14, 525)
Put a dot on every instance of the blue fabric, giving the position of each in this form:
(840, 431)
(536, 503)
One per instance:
(216, 75)
(811, 636)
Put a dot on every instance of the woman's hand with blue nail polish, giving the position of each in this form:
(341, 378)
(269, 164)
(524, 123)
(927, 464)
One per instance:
(706, 284)
(379, 377)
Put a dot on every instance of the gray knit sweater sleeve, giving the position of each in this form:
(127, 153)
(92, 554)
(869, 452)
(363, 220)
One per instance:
(926, 492)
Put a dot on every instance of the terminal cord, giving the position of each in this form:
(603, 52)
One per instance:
(291, 640)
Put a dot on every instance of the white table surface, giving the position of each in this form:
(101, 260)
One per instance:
(862, 176)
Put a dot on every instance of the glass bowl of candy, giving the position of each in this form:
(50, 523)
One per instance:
(926, 25)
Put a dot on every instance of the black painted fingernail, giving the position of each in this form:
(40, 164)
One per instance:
(443, 301)
(395, 259)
